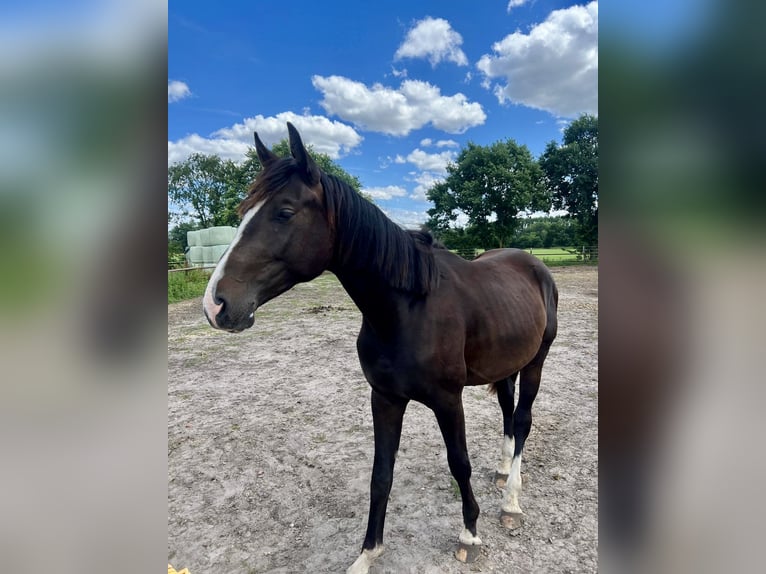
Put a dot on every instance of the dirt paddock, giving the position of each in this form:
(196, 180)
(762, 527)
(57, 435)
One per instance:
(270, 448)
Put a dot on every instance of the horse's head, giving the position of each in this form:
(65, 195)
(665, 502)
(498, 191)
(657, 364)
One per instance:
(284, 238)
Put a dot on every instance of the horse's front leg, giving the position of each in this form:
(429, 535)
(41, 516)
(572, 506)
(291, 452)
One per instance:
(387, 415)
(449, 414)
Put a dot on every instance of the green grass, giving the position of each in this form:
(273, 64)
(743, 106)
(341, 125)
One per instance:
(184, 285)
(560, 256)
(556, 256)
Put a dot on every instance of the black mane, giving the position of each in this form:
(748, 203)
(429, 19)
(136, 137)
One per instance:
(367, 240)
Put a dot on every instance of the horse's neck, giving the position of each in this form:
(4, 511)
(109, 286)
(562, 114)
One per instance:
(380, 305)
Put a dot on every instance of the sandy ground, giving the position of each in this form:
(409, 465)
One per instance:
(270, 448)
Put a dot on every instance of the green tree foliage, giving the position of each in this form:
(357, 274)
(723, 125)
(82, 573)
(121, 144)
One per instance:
(177, 243)
(546, 232)
(491, 185)
(205, 189)
(571, 174)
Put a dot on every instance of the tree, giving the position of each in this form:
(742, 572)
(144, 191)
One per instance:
(571, 174)
(491, 185)
(546, 232)
(205, 188)
(177, 243)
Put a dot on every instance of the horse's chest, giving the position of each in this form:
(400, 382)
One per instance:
(408, 368)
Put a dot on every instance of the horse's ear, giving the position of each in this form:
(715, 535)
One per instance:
(265, 155)
(307, 166)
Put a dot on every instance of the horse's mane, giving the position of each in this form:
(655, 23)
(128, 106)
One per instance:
(365, 239)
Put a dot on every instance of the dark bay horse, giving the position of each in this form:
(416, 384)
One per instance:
(432, 321)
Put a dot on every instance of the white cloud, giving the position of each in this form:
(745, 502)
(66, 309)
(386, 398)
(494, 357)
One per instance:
(397, 112)
(399, 73)
(428, 142)
(554, 67)
(515, 4)
(383, 193)
(425, 181)
(181, 149)
(436, 162)
(177, 91)
(326, 136)
(432, 168)
(434, 39)
(405, 217)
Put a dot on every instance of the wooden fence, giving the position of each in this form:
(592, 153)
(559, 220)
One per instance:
(555, 255)
(552, 256)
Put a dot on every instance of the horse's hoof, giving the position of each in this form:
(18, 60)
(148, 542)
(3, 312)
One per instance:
(500, 480)
(468, 552)
(511, 520)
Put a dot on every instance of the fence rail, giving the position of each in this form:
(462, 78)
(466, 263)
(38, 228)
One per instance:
(187, 269)
(554, 255)
(582, 254)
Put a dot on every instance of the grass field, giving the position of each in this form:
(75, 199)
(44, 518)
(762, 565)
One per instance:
(557, 256)
(184, 285)
(553, 256)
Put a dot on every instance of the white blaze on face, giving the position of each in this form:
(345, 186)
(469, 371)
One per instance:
(208, 301)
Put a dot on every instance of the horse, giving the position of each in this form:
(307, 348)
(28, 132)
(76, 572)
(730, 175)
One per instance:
(432, 322)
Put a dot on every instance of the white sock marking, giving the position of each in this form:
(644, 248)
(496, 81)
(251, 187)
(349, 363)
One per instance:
(469, 539)
(208, 300)
(507, 454)
(513, 487)
(362, 564)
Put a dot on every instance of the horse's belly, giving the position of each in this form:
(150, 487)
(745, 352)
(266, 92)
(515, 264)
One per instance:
(490, 362)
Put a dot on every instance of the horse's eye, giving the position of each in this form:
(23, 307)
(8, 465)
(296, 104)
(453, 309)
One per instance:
(285, 214)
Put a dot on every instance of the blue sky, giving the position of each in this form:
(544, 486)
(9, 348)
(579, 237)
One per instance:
(390, 90)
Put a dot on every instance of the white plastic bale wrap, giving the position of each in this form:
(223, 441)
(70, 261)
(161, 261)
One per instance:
(221, 235)
(218, 251)
(192, 238)
(196, 255)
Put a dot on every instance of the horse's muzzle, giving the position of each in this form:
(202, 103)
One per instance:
(223, 316)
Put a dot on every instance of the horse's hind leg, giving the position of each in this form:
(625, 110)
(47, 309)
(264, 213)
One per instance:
(511, 513)
(506, 389)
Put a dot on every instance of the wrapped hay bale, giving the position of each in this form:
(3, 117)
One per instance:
(192, 238)
(221, 235)
(218, 251)
(196, 255)
(207, 255)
